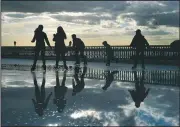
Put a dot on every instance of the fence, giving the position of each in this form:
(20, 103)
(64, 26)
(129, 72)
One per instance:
(97, 53)
(161, 77)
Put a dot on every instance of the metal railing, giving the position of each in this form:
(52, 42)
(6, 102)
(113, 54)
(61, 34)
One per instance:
(97, 53)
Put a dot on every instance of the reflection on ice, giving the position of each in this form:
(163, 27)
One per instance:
(92, 106)
(86, 113)
(55, 124)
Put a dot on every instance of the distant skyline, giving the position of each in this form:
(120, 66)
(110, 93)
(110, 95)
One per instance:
(92, 21)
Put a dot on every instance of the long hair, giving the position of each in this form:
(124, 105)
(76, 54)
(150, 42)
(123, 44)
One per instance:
(61, 31)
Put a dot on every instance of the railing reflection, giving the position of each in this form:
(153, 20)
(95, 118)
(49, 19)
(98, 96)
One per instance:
(163, 77)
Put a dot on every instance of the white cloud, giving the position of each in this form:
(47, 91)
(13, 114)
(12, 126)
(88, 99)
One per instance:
(102, 21)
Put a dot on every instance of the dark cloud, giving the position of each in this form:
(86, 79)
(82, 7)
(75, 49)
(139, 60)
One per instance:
(169, 19)
(159, 32)
(151, 14)
(148, 33)
(171, 5)
(58, 6)
(155, 13)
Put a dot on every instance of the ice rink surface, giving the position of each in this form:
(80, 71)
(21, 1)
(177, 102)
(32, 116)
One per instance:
(92, 106)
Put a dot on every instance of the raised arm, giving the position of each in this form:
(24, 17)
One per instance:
(146, 42)
(82, 43)
(54, 37)
(46, 39)
(133, 42)
(34, 37)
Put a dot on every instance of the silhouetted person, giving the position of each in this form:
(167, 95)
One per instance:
(39, 37)
(79, 86)
(59, 92)
(109, 53)
(175, 47)
(140, 43)
(40, 104)
(109, 79)
(60, 47)
(140, 93)
(78, 47)
(14, 43)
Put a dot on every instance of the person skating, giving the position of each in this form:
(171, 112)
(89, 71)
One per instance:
(109, 53)
(139, 43)
(78, 47)
(39, 37)
(60, 47)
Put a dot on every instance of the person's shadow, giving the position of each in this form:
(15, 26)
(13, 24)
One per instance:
(109, 79)
(140, 93)
(59, 92)
(79, 85)
(40, 104)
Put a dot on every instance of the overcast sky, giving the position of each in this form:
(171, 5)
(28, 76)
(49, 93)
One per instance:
(92, 21)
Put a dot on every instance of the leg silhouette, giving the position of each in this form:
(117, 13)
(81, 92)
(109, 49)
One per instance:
(43, 59)
(37, 90)
(35, 58)
(136, 58)
(83, 57)
(64, 60)
(57, 60)
(43, 94)
(77, 57)
(64, 79)
(142, 59)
